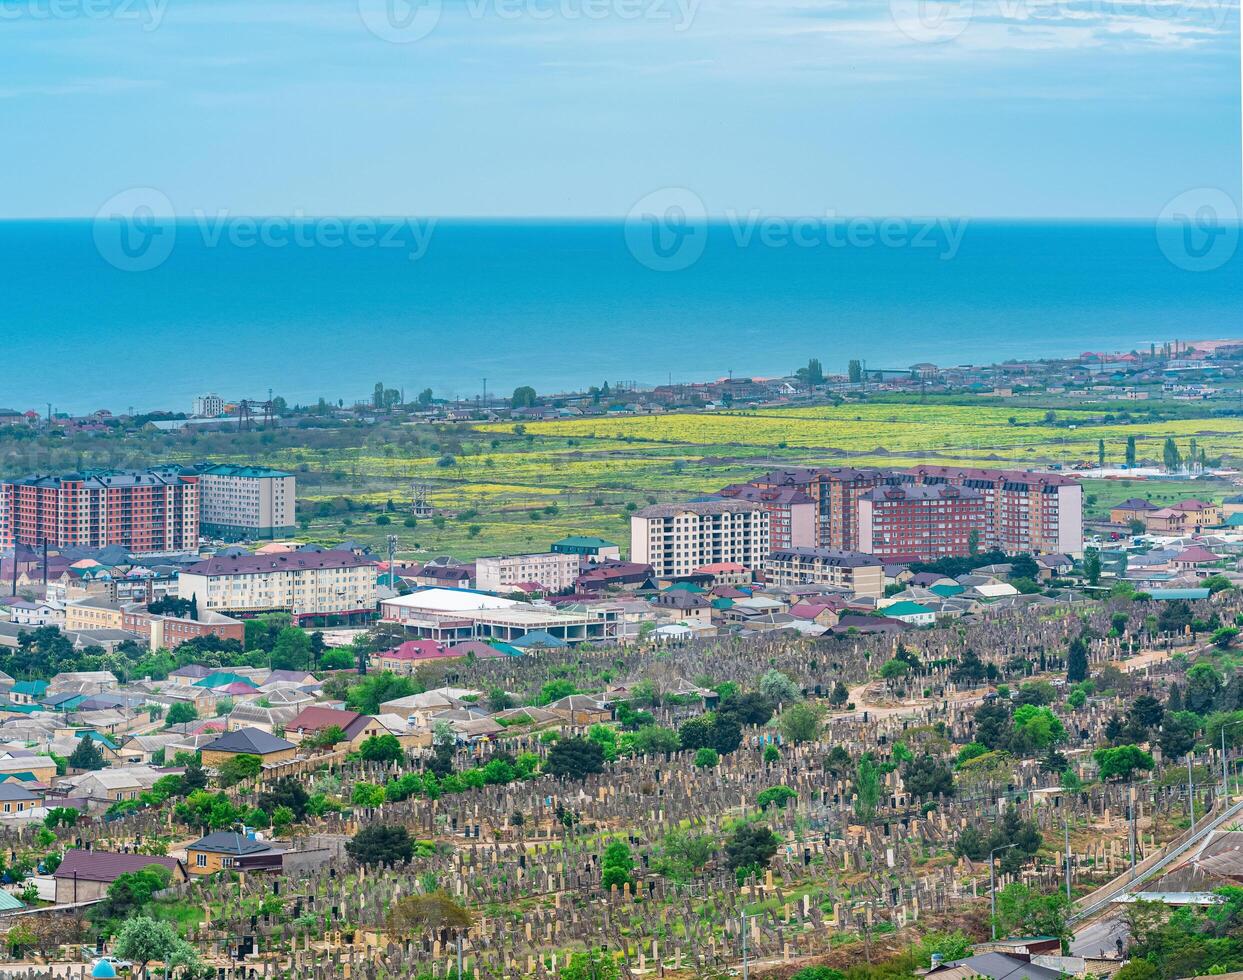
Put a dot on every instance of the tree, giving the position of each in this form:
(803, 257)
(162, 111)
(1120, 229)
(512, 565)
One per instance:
(381, 844)
(1023, 912)
(421, 916)
(130, 892)
(292, 650)
(1170, 456)
(778, 688)
(1092, 565)
(285, 792)
(1100, 453)
(594, 964)
(87, 756)
(143, 939)
(194, 777)
(1076, 661)
(751, 708)
(1177, 737)
(925, 776)
(654, 740)
(574, 758)
(325, 738)
(523, 397)
(854, 371)
(1123, 762)
(777, 796)
(751, 846)
(617, 866)
(799, 723)
(993, 725)
(706, 757)
(867, 788)
(1130, 452)
(367, 696)
(382, 748)
(239, 768)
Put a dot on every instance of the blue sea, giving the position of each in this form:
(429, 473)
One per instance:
(327, 307)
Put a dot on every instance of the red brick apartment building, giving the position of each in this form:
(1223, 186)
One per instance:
(913, 522)
(791, 512)
(146, 512)
(1040, 513)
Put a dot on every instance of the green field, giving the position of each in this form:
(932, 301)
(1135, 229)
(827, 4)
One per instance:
(506, 488)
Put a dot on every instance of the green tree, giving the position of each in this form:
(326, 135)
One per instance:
(1177, 738)
(706, 757)
(180, 713)
(778, 688)
(1123, 762)
(799, 723)
(292, 649)
(594, 964)
(380, 844)
(617, 866)
(1024, 912)
(1130, 452)
(523, 397)
(238, 768)
(926, 776)
(574, 758)
(1092, 565)
(382, 748)
(854, 371)
(143, 939)
(751, 846)
(867, 788)
(1077, 660)
(1170, 456)
(87, 756)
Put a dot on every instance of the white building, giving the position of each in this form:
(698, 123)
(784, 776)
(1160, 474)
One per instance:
(304, 583)
(208, 406)
(555, 572)
(676, 539)
(246, 502)
(453, 615)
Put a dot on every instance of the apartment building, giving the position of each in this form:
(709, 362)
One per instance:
(304, 583)
(676, 539)
(851, 571)
(169, 632)
(553, 570)
(208, 406)
(835, 492)
(1037, 513)
(921, 523)
(246, 502)
(146, 512)
(792, 518)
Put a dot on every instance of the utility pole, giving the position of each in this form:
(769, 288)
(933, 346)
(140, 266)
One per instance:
(392, 550)
(459, 956)
(1131, 819)
(1066, 823)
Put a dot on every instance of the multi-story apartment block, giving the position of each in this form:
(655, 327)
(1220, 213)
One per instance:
(792, 519)
(553, 570)
(169, 632)
(246, 502)
(1038, 513)
(146, 512)
(851, 571)
(304, 583)
(921, 523)
(208, 406)
(676, 539)
(835, 492)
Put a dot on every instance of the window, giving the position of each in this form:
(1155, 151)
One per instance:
(200, 860)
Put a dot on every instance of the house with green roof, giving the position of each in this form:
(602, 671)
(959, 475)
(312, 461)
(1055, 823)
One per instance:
(222, 678)
(28, 692)
(910, 612)
(593, 549)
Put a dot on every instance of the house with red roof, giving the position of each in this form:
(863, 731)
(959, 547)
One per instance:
(317, 718)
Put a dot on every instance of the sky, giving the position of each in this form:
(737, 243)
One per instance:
(986, 108)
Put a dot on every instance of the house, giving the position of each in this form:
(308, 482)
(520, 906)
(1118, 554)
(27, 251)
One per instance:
(85, 875)
(403, 658)
(1194, 557)
(997, 966)
(1135, 509)
(248, 741)
(683, 606)
(15, 798)
(589, 549)
(317, 718)
(28, 692)
(580, 709)
(1200, 514)
(228, 850)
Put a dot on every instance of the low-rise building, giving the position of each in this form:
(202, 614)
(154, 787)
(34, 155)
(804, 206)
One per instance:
(169, 632)
(308, 584)
(95, 613)
(588, 549)
(86, 875)
(850, 571)
(227, 850)
(555, 571)
(248, 741)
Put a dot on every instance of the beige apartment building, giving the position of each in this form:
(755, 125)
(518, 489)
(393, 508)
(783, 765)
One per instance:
(304, 583)
(554, 571)
(676, 539)
(95, 613)
(246, 502)
(851, 571)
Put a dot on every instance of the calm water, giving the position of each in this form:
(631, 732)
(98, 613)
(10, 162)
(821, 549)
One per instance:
(564, 304)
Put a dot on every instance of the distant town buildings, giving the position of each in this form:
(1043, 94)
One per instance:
(250, 502)
(208, 406)
(305, 583)
(144, 511)
(791, 512)
(589, 549)
(675, 539)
